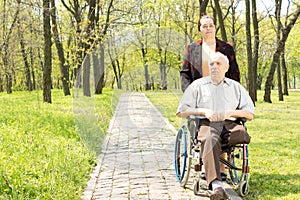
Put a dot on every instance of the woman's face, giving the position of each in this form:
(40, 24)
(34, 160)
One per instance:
(207, 28)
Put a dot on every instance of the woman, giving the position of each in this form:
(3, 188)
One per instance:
(197, 54)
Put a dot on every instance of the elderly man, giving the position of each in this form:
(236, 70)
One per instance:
(219, 101)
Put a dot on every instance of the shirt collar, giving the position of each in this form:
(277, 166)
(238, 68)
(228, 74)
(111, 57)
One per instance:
(226, 81)
(207, 80)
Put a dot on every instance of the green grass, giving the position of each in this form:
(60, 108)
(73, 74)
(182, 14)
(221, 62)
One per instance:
(274, 151)
(45, 153)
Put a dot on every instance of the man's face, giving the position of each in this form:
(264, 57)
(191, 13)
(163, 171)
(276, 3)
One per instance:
(207, 28)
(218, 67)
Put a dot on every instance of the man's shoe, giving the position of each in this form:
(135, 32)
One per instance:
(223, 176)
(219, 194)
(202, 175)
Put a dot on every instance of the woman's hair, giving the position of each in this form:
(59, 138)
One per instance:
(204, 16)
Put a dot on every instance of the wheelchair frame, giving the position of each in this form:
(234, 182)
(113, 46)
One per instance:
(187, 156)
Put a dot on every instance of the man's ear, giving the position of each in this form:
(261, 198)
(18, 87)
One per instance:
(227, 67)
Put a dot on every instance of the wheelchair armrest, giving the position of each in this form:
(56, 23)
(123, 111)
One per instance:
(193, 117)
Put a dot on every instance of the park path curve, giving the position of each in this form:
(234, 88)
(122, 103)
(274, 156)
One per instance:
(137, 157)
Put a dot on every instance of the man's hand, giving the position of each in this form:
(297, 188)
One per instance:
(239, 114)
(217, 117)
(208, 114)
(196, 112)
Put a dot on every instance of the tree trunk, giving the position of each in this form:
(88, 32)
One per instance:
(269, 81)
(284, 75)
(26, 64)
(96, 67)
(118, 71)
(163, 57)
(8, 83)
(251, 78)
(278, 68)
(99, 81)
(41, 64)
(221, 21)
(86, 76)
(146, 72)
(147, 78)
(47, 53)
(1, 83)
(32, 59)
(64, 70)
(27, 67)
(121, 71)
(279, 84)
(203, 5)
(255, 50)
(233, 30)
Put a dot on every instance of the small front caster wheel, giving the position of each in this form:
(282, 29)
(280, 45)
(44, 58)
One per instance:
(196, 187)
(243, 188)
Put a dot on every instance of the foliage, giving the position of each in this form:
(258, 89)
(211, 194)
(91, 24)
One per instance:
(127, 15)
(41, 153)
(274, 148)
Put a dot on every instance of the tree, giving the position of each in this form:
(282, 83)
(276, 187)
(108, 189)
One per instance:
(276, 56)
(185, 19)
(117, 55)
(25, 57)
(221, 20)
(4, 49)
(284, 74)
(143, 16)
(251, 58)
(249, 49)
(76, 11)
(91, 32)
(47, 83)
(234, 23)
(102, 27)
(254, 79)
(64, 69)
(283, 62)
(278, 34)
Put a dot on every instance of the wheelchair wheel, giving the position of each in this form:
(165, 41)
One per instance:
(182, 158)
(238, 158)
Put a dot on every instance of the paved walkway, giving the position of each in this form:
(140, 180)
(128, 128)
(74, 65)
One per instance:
(137, 157)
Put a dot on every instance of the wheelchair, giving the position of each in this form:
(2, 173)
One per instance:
(187, 157)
